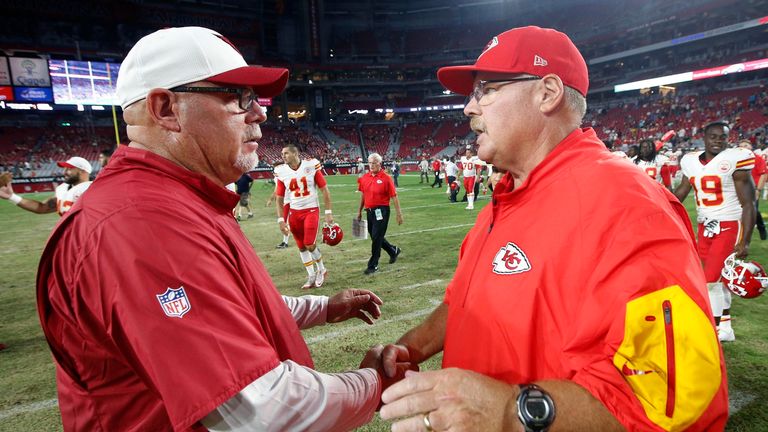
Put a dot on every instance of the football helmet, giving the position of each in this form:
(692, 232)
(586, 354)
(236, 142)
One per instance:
(332, 234)
(746, 279)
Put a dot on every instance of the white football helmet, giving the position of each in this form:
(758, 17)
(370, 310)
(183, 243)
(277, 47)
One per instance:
(746, 279)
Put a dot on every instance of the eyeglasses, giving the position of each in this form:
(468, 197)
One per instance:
(246, 96)
(481, 87)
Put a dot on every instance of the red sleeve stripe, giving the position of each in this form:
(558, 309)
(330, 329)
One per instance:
(745, 162)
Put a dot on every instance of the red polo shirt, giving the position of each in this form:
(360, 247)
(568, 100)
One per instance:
(759, 169)
(601, 286)
(130, 354)
(377, 189)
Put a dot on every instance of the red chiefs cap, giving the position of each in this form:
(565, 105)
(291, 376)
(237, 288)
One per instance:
(524, 50)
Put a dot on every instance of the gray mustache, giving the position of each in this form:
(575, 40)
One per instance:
(475, 123)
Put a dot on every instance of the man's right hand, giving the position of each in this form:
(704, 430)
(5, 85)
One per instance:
(392, 356)
(391, 361)
(390, 373)
(284, 228)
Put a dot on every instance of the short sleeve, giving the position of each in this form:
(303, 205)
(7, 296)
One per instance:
(279, 187)
(320, 179)
(208, 345)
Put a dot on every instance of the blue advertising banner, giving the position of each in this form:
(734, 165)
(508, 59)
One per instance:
(33, 94)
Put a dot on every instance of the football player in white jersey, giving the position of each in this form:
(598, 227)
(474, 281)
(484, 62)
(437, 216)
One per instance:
(286, 210)
(674, 163)
(469, 164)
(76, 173)
(302, 179)
(650, 161)
(724, 193)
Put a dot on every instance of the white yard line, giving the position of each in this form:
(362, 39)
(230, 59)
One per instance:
(419, 231)
(738, 400)
(26, 234)
(431, 229)
(345, 331)
(418, 285)
(31, 407)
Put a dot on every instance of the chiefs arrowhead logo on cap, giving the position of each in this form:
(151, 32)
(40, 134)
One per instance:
(491, 44)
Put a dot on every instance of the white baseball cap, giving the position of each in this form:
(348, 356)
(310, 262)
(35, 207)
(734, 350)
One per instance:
(76, 162)
(175, 56)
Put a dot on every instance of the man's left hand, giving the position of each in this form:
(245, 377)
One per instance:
(352, 303)
(399, 218)
(329, 219)
(453, 399)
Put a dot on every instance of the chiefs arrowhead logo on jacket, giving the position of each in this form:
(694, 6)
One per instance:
(510, 260)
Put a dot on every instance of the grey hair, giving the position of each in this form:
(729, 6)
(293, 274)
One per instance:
(376, 157)
(576, 102)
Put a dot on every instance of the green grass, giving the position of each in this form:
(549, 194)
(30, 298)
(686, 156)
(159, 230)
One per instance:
(430, 238)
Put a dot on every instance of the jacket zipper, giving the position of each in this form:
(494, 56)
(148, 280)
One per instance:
(485, 239)
(670, 337)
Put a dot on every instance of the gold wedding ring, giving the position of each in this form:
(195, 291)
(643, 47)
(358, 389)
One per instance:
(427, 424)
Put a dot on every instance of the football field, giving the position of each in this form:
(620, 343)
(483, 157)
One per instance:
(430, 238)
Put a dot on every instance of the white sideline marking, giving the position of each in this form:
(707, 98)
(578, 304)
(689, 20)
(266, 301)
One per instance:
(420, 231)
(738, 400)
(334, 334)
(31, 407)
(256, 221)
(430, 229)
(337, 216)
(432, 282)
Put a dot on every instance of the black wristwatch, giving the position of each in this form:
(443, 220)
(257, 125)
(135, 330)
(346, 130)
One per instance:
(535, 408)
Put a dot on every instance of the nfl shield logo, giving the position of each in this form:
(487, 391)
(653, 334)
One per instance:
(174, 302)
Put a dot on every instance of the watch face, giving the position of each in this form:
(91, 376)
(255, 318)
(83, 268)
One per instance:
(537, 409)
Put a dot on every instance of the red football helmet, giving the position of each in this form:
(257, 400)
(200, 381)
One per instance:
(332, 234)
(746, 279)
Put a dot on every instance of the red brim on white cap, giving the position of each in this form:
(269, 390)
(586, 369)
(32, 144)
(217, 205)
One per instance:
(267, 82)
(65, 165)
(461, 79)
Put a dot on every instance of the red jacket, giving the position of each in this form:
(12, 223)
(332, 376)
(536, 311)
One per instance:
(588, 272)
